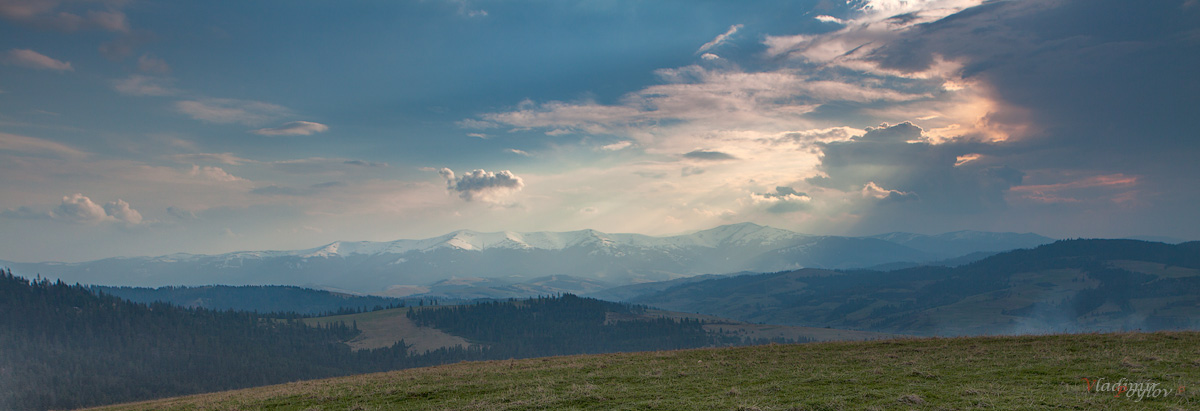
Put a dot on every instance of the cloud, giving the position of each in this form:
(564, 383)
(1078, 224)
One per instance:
(275, 190)
(362, 163)
(897, 162)
(478, 135)
(78, 208)
(719, 39)
(466, 10)
(1077, 190)
(829, 19)
(966, 158)
(124, 46)
(223, 158)
(825, 135)
(148, 63)
(143, 85)
(25, 9)
(319, 165)
(783, 200)
(109, 20)
(690, 171)
(872, 190)
(518, 152)
(213, 174)
(482, 185)
(707, 98)
(34, 60)
(121, 211)
(294, 128)
(37, 146)
(620, 145)
(226, 111)
(25, 213)
(42, 14)
(476, 124)
(650, 174)
(710, 56)
(181, 214)
(707, 155)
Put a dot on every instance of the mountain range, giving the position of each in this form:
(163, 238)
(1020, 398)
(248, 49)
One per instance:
(530, 263)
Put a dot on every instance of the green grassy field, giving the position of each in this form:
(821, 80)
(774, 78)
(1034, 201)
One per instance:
(1018, 373)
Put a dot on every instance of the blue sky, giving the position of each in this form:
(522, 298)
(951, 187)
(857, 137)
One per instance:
(143, 128)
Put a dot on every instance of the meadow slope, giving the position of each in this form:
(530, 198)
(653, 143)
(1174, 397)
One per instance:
(1020, 372)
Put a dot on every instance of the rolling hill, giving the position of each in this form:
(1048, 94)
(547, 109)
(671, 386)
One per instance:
(1003, 373)
(1067, 286)
(64, 346)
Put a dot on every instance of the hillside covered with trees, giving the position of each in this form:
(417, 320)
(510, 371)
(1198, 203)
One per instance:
(64, 346)
(61, 346)
(257, 298)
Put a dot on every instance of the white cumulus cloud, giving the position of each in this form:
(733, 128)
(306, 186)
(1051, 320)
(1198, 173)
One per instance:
(78, 208)
(482, 185)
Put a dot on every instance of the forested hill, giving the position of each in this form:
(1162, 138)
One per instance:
(257, 298)
(61, 346)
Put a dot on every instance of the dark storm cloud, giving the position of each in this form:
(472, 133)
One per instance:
(1108, 81)
(896, 164)
(1096, 88)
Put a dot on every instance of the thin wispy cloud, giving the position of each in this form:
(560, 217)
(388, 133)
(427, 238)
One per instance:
(150, 64)
(37, 147)
(46, 14)
(720, 39)
(143, 85)
(227, 111)
(294, 128)
(34, 60)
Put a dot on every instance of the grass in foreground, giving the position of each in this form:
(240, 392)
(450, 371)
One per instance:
(1026, 372)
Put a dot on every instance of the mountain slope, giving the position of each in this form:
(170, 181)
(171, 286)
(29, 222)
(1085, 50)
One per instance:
(405, 267)
(1067, 286)
(959, 243)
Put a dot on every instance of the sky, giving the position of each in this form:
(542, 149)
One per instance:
(131, 128)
